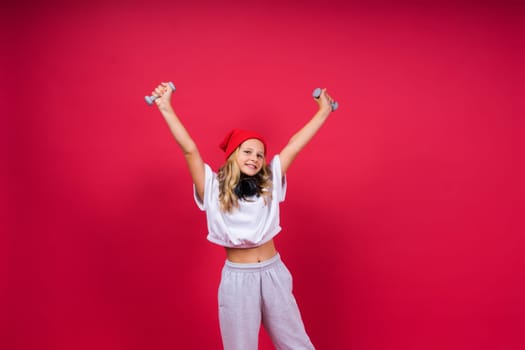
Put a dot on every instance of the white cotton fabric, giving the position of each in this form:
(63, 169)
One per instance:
(253, 223)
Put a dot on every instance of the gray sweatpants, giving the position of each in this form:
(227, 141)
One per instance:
(261, 292)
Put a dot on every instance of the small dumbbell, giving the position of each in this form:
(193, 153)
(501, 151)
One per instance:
(151, 99)
(317, 93)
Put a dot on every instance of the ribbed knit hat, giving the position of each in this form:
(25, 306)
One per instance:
(236, 137)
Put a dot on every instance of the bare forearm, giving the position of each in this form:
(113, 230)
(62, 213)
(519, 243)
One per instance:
(178, 130)
(300, 139)
(189, 148)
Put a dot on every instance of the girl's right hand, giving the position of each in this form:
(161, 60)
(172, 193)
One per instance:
(163, 92)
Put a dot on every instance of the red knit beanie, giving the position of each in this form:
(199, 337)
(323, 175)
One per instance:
(236, 137)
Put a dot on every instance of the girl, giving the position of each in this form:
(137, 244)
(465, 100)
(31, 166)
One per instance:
(242, 210)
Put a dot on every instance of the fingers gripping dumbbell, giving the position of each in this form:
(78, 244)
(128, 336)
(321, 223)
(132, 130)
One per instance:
(317, 93)
(152, 98)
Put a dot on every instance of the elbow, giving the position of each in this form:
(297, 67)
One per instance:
(190, 149)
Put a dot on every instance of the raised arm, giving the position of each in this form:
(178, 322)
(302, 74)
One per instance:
(303, 136)
(183, 138)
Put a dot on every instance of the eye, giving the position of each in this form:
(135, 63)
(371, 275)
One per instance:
(260, 156)
(247, 152)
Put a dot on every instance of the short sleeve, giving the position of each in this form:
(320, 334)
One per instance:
(208, 189)
(278, 180)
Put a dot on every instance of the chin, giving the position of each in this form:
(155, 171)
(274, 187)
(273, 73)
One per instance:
(250, 172)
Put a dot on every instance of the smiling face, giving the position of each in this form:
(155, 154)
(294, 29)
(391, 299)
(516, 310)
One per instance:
(250, 157)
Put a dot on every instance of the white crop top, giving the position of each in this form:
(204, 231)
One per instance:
(253, 223)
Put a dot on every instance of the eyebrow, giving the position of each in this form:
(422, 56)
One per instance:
(248, 148)
(251, 148)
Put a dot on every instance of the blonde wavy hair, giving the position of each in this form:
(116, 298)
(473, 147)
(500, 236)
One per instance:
(230, 174)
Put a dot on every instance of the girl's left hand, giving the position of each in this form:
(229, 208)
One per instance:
(325, 101)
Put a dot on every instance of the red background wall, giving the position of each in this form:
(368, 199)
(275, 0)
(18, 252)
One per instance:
(403, 224)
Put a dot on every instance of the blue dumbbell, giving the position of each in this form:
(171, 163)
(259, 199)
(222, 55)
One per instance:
(317, 93)
(151, 99)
